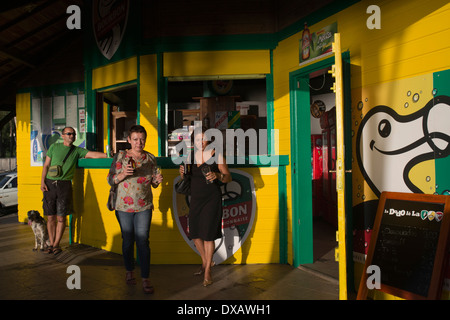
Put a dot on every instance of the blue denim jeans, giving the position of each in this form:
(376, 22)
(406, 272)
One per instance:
(135, 227)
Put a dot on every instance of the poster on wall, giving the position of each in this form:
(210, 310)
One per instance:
(238, 214)
(316, 45)
(36, 150)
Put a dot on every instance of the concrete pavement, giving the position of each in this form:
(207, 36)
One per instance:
(28, 275)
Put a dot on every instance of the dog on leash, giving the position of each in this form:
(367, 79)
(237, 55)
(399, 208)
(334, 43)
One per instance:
(39, 227)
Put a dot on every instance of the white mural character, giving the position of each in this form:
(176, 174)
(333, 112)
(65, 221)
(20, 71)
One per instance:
(389, 145)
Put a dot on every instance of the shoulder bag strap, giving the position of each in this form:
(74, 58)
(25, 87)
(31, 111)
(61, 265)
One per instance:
(68, 153)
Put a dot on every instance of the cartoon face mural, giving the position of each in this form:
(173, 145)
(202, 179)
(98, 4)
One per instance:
(389, 145)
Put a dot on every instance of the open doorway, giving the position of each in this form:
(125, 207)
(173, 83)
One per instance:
(306, 85)
(323, 161)
(119, 113)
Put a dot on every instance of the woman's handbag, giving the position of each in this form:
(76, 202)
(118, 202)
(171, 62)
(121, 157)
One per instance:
(111, 204)
(184, 186)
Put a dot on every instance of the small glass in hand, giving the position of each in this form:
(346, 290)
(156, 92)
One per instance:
(205, 170)
(156, 172)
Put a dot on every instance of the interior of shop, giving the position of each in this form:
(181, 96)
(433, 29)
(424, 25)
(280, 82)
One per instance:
(123, 114)
(323, 160)
(220, 104)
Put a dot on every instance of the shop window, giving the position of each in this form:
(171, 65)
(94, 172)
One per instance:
(122, 112)
(220, 104)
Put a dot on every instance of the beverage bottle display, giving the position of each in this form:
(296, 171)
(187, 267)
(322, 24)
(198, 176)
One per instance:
(306, 43)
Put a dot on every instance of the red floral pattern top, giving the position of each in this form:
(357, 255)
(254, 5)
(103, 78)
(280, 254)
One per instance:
(134, 193)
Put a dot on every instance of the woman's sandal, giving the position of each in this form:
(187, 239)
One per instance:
(49, 249)
(202, 270)
(129, 278)
(147, 287)
(199, 272)
(57, 251)
(207, 282)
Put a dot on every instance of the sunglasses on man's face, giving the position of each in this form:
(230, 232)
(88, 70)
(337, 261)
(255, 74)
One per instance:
(70, 133)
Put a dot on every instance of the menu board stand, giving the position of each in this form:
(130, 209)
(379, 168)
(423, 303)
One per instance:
(408, 246)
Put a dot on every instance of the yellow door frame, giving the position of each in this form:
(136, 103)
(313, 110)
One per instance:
(338, 88)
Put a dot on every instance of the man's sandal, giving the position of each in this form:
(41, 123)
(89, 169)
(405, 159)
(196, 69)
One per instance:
(57, 251)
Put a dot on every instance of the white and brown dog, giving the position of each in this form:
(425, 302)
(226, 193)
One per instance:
(39, 226)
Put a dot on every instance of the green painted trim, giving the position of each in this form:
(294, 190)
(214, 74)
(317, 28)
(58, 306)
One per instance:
(50, 89)
(282, 215)
(441, 83)
(162, 104)
(138, 91)
(162, 84)
(302, 236)
(108, 116)
(209, 43)
(270, 107)
(168, 163)
(90, 106)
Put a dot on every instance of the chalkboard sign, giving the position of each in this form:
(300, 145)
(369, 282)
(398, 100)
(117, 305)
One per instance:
(408, 246)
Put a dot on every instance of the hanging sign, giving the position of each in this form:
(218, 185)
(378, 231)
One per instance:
(109, 20)
(318, 44)
(238, 214)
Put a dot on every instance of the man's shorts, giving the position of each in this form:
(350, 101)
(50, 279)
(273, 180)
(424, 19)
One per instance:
(58, 199)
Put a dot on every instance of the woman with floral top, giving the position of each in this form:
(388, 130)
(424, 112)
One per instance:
(134, 173)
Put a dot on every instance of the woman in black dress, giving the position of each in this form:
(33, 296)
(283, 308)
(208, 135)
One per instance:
(205, 210)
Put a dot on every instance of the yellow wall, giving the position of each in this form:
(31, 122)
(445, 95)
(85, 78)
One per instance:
(93, 224)
(149, 100)
(411, 42)
(96, 226)
(211, 63)
(115, 73)
(404, 48)
(28, 177)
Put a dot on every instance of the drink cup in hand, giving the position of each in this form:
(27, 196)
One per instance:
(206, 170)
(157, 174)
